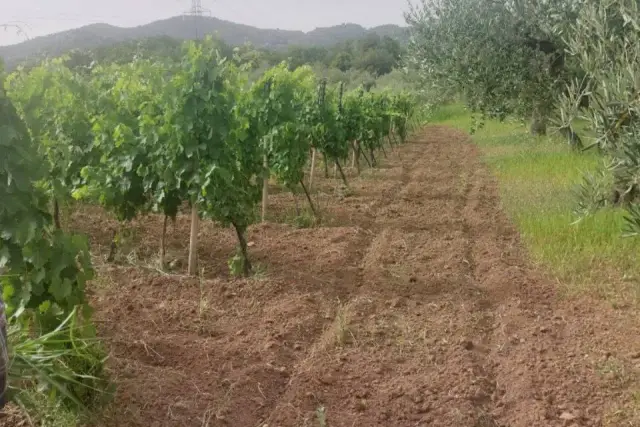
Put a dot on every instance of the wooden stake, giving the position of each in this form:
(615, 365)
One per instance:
(356, 155)
(353, 156)
(193, 240)
(163, 242)
(265, 187)
(313, 167)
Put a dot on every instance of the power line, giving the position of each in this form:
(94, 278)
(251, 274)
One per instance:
(18, 27)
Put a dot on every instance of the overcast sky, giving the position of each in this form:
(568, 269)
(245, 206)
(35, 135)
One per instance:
(41, 17)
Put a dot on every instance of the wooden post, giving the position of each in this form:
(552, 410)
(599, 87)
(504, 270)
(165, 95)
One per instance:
(353, 156)
(193, 240)
(265, 187)
(313, 167)
(356, 155)
(163, 242)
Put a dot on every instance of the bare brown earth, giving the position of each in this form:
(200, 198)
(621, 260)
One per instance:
(412, 304)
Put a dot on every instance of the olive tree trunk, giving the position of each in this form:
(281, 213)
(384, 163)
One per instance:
(538, 123)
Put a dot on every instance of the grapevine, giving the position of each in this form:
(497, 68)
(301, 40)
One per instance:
(278, 103)
(326, 127)
(43, 269)
(53, 102)
(148, 136)
(209, 155)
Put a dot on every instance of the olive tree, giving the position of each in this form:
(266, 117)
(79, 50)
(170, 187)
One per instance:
(503, 57)
(604, 41)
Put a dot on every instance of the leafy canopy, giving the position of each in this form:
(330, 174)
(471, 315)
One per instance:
(502, 56)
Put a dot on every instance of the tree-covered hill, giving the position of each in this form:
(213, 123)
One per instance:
(101, 35)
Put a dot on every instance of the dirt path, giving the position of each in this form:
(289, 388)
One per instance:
(415, 308)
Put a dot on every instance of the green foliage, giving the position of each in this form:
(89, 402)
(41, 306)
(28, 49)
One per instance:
(403, 105)
(502, 56)
(373, 54)
(342, 61)
(54, 103)
(42, 269)
(280, 100)
(65, 364)
(148, 134)
(166, 37)
(125, 108)
(43, 272)
(594, 193)
(210, 155)
(303, 220)
(247, 55)
(298, 56)
(375, 116)
(602, 42)
(325, 124)
(161, 48)
(537, 179)
(352, 78)
(353, 116)
(236, 264)
(632, 221)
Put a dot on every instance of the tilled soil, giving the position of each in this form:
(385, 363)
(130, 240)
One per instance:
(413, 305)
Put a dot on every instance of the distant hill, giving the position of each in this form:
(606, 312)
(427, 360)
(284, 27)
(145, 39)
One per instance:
(182, 27)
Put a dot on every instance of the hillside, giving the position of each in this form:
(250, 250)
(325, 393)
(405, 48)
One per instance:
(96, 35)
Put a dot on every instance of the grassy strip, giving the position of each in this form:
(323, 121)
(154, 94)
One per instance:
(537, 179)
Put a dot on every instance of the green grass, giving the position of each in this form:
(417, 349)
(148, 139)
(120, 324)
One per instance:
(537, 177)
(56, 378)
(47, 412)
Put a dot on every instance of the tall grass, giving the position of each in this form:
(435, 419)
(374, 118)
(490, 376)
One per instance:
(56, 377)
(537, 178)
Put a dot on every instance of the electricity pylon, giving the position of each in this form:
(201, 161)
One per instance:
(197, 11)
